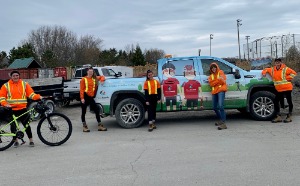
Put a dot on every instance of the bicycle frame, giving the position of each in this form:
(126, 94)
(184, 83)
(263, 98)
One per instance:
(15, 120)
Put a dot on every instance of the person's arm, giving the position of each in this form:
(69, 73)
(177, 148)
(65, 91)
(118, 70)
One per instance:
(222, 79)
(82, 88)
(158, 91)
(290, 74)
(265, 71)
(101, 79)
(3, 96)
(30, 93)
(146, 92)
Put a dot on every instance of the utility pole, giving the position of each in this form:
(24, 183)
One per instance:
(238, 24)
(210, 38)
(260, 46)
(248, 37)
(293, 35)
(282, 45)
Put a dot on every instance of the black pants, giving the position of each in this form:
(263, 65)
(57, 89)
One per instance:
(152, 107)
(89, 101)
(24, 120)
(279, 101)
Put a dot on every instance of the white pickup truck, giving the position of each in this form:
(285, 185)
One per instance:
(72, 88)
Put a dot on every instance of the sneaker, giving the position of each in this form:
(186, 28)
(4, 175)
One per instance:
(31, 144)
(16, 144)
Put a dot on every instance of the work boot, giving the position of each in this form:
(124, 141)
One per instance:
(150, 128)
(277, 119)
(288, 118)
(218, 123)
(153, 124)
(222, 126)
(85, 128)
(101, 127)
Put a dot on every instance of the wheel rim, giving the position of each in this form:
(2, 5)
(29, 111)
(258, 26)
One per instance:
(263, 106)
(130, 113)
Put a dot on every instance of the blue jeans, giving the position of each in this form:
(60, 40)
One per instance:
(218, 105)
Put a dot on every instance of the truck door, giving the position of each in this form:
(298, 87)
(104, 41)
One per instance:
(181, 85)
(236, 94)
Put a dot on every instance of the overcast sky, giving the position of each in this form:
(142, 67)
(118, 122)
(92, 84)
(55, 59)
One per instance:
(179, 27)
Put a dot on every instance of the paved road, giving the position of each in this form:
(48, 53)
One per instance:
(186, 149)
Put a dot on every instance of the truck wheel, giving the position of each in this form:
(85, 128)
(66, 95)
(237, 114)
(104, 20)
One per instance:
(130, 113)
(51, 105)
(262, 105)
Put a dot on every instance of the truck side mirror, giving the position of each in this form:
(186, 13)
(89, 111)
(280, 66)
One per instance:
(236, 73)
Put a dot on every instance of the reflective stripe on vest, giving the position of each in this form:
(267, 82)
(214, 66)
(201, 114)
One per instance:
(213, 77)
(86, 84)
(149, 87)
(283, 80)
(9, 96)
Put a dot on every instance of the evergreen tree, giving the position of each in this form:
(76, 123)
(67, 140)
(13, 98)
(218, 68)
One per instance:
(25, 51)
(138, 57)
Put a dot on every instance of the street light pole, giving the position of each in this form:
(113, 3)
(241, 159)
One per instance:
(238, 24)
(248, 37)
(210, 38)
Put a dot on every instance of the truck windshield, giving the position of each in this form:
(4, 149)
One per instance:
(108, 72)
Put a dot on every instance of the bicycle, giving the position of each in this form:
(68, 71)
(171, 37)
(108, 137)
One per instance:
(53, 129)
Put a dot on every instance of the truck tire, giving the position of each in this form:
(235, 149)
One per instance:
(130, 113)
(51, 105)
(262, 105)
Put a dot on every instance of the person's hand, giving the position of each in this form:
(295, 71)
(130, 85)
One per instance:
(158, 101)
(8, 105)
(147, 103)
(41, 97)
(82, 101)
(263, 75)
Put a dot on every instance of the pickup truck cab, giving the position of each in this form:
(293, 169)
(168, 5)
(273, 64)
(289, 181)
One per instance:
(184, 85)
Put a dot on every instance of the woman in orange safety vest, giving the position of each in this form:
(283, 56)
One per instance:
(217, 81)
(14, 94)
(282, 77)
(88, 90)
(152, 96)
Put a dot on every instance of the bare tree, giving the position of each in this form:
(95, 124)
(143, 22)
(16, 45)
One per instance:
(57, 39)
(88, 50)
(152, 55)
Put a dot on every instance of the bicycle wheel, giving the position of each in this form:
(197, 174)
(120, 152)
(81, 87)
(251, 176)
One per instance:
(55, 129)
(6, 138)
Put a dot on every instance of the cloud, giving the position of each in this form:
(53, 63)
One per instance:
(178, 27)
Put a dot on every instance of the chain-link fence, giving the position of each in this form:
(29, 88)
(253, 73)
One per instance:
(272, 47)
